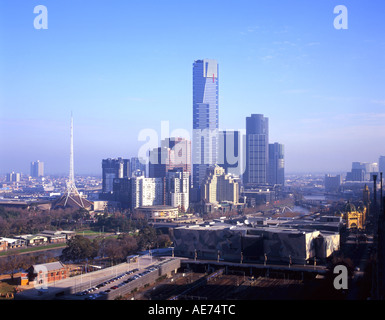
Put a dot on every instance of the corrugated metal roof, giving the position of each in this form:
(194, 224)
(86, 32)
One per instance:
(49, 266)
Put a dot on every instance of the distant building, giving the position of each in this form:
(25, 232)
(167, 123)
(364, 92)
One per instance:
(355, 217)
(220, 187)
(37, 169)
(137, 167)
(276, 173)
(159, 212)
(173, 153)
(230, 151)
(122, 192)
(332, 183)
(114, 168)
(381, 166)
(177, 187)
(257, 150)
(13, 177)
(362, 171)
(147, 192)
(181, 153)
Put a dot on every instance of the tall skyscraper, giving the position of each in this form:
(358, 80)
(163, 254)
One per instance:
(37, 169)
(205, 118)
(257, 150)
(114, 168)
(276, 174)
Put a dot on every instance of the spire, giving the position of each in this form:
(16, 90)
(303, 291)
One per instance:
(71, 197)
(72, 192)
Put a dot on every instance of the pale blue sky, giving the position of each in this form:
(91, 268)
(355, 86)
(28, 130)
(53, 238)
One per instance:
(124, 66)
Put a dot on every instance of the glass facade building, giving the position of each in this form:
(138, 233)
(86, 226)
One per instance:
(276, 164)
(257, 150)
(205, 118)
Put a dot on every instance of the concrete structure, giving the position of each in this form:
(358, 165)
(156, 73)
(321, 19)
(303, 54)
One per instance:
(248, 244)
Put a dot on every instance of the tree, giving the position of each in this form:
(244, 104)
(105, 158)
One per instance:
(147, 238)
(128, 243)
(164, 241)
(79, 248)
(16, 262)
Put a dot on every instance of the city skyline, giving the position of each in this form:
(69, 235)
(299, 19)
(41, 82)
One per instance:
(127, 67)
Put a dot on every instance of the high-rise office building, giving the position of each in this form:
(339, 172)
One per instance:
(230, 151)
(112, 169)
(276, 174)
(173, 153)
(257, 150)
(181, 153)
(205, 118)
(177, 184)
(137, 167)
(13, 177)
(37, 169)
(362, 171)
(332, 183)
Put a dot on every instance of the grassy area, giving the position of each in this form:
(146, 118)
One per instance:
(33, 249)
(4, 289)
(90, 233)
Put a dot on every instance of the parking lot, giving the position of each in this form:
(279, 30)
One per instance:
(102, 289)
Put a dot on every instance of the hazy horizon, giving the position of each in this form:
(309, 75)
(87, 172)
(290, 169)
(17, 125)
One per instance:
(124, 67)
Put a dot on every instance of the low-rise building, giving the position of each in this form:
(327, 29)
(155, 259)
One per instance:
(13, 243)
(33, 240)
(233, 243)
(159, 213)
(47, 272)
